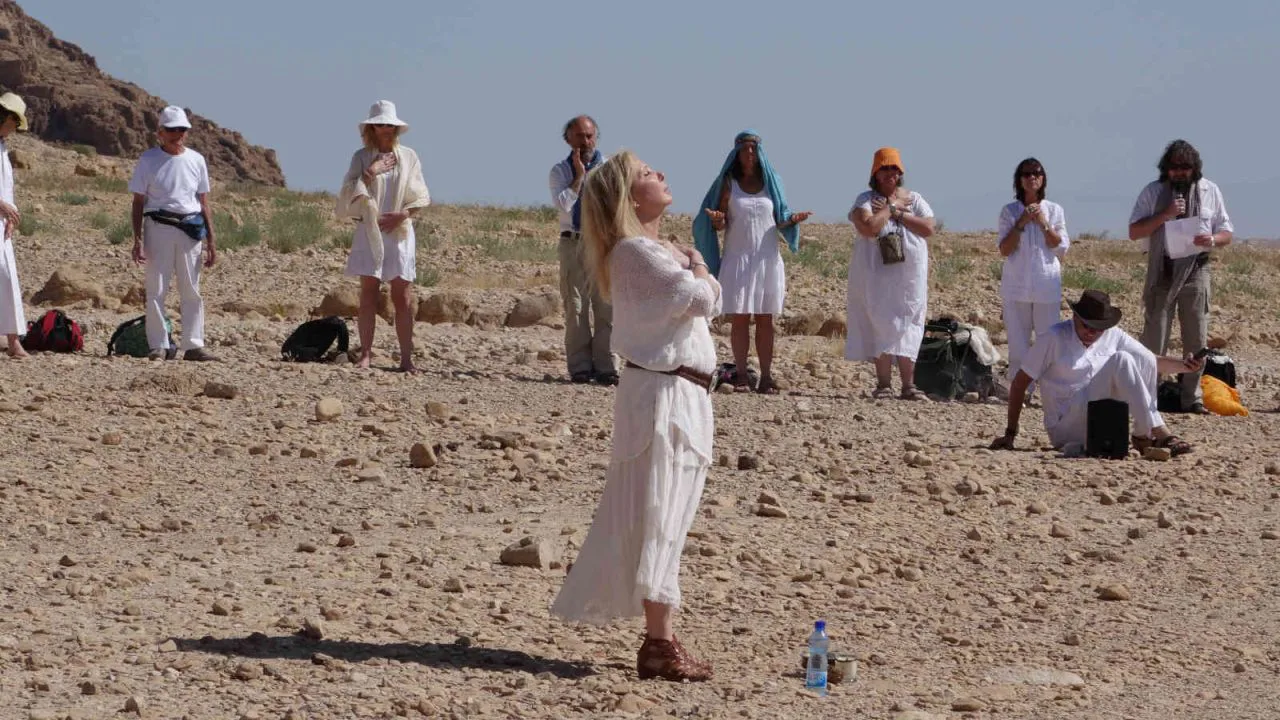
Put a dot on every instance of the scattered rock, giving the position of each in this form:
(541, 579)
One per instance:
(771, 511)
(748, 462)
(1157, 454)
(422, 456)
(1114, 591)
(1058, 530)
(343, 302)
(968, 705)
(453, 585)
(533, 309)
(530, 552)
(222, 391)
(247, 671)
(69, 285)
(444, 308)
(221, 608)
(328, 409)
(312, 628)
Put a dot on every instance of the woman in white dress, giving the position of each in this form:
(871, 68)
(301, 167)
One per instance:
(747, 198)
(13, 322)
(889, 276)
(1032, 239)
(662, 296)
(382, 190)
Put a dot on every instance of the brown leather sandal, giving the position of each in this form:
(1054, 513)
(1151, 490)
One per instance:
(669, 660)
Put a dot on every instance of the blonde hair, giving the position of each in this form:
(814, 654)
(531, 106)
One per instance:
(608, 214)
(366, 135)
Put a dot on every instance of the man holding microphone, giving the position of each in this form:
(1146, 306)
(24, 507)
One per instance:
(1180, 284)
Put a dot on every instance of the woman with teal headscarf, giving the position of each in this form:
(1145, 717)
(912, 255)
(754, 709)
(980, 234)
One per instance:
(747, 202)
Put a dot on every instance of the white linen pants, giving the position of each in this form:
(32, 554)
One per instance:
(173, 256)
(1023, 321)
(12, 319)
(1127, 377)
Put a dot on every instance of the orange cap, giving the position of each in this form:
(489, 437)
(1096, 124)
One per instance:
(887, 156)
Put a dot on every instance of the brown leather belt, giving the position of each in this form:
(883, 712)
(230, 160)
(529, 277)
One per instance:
(701, 379)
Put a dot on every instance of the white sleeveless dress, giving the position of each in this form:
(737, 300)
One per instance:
(752, 278)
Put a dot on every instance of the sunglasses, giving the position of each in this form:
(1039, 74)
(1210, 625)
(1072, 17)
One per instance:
(1031, 173)
(1181, 166)
(383, 125)
(179, 130)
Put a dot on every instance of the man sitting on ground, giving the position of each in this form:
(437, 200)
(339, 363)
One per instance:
(1088, 358)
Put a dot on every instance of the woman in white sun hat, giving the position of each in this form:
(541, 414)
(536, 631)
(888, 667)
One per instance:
(382, 190)
(13, 116)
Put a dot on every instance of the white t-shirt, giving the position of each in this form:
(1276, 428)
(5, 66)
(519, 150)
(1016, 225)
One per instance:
(171, 182)
(1063, 367)
(1032, 273)
(1212, 206)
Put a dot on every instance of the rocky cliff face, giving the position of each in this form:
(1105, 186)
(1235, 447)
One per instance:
(70, 100)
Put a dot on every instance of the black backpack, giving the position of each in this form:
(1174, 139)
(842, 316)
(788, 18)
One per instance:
(941, 363)
(312, 340)
(1217, 364)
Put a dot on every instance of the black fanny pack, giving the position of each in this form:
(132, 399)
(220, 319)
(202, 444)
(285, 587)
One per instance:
(191, 224)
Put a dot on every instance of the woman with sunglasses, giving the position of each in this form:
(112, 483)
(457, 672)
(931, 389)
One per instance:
(747, 201)
(888, 293)
(13, 117)
(382, 190)
(1033, 238)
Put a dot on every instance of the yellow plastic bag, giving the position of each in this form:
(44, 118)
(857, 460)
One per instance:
(1220, 398)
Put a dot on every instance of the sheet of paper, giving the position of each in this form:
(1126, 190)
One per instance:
(1179, 237)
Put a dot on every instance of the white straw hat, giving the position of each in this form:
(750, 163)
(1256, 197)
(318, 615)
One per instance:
(174, 116)
(383, 112)
(14, 104)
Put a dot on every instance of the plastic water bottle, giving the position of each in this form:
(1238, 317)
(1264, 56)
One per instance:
(815, 676)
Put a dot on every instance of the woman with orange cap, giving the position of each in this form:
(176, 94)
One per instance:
(889, 276)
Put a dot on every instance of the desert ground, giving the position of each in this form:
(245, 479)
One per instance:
(217, 540)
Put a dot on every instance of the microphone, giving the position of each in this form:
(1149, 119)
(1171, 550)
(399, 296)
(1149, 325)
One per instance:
(1180, 193)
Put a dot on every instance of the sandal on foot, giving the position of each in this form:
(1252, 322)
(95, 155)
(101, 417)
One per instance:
(1140, 443)
(766, 386)
(740, 382)
(911, 392)
(1176, 445)
(669, 660)
(1198, 408)
(883, 392)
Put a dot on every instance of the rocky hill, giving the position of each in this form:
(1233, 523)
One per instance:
(71, 100)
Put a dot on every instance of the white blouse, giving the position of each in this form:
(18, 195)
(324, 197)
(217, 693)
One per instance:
(660, 309)
(1032, 273)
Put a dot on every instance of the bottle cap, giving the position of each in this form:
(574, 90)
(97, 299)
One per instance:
(820, 625)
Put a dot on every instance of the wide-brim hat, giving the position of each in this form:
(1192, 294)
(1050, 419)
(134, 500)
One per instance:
(887, 156)
(1095, 310)
(383, 112)
(16, 105)
(174, 117)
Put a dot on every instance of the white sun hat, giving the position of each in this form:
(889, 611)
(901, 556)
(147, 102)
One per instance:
(14, 104)
(383, 112)
(174, 116)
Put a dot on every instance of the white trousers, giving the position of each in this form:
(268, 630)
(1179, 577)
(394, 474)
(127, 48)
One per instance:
(173, 256)
(12, 319)
(1023, 321)
(1127, 377)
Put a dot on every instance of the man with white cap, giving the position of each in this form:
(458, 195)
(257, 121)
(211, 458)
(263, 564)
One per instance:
(13, 116)
(1088, 358)
(172, 223)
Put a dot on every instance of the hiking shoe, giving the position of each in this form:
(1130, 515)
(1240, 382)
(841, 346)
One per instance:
(609, 378)
(580, 377)
(199, 355)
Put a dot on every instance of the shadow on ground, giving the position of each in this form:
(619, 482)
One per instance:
(452, 655)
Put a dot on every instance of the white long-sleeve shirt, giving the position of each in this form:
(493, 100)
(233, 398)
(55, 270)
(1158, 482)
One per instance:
(563, 196)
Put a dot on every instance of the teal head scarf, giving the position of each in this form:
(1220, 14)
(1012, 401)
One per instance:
(704, 235)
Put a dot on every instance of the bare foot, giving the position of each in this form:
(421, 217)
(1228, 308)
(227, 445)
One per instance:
(408, 368)
(363, 362)
(17, 353)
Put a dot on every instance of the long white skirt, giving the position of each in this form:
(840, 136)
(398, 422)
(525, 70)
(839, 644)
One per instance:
(661, 452)
(399, 257)
(13, 321)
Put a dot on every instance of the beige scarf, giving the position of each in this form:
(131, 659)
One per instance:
(359, 202)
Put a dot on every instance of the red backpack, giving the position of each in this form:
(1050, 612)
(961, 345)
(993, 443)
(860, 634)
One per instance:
(54, 332)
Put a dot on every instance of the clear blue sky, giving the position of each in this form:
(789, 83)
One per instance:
(966, 90)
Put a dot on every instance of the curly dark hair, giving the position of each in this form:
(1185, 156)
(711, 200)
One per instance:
(1180, 152)
(1028, 165)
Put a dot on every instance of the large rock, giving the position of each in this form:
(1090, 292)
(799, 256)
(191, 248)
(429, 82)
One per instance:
(806, 323)
(444, 307)
(70, 100)
(834, 327)
(530, 552)
(533, 309)
(343, 302)
(69, 285)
